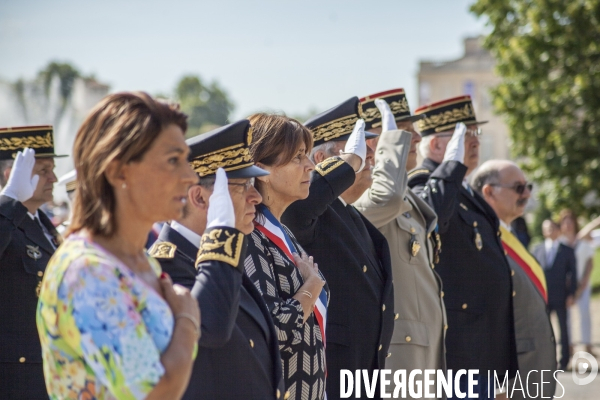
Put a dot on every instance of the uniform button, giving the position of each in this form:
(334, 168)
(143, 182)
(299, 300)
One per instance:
(412, 229)
(445, 327)
(432, 266)
(442, 294)
(408, 339)
(286, 395)
(40, 273)
(251, 343)
(396, 316)
(475, 224)
(278, 393)
(512, 272)
(380, 347)
(505, 252)
(364, 268)
(499, 234)
(388, 355)
(429, 236)
(383, 308)
(22, 359)
(464, 306)
(514, 293)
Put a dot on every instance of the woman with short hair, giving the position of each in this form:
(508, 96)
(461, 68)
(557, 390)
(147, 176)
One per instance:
(289, 280)
(111, 324)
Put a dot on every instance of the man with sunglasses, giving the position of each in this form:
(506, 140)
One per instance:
(238, 354)
(503, 185)
(475, 273)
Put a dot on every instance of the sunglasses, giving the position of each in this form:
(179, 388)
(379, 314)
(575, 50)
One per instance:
(246, 185)
(517, 187)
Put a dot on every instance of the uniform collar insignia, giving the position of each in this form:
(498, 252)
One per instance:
(34, 252)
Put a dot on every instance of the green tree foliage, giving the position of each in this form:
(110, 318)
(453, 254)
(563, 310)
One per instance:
(207, 106)
(66, 73)
(548, 55)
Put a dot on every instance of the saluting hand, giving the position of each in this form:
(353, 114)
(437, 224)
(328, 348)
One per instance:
(220, 207)
(21, 184)
(455, 151)
(388, 122)
(357, 144)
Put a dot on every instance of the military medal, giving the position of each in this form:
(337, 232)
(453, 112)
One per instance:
(438, 247)
(478, 240)
(415, 246)
(34, 252)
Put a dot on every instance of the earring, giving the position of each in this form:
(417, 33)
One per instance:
(124, 185)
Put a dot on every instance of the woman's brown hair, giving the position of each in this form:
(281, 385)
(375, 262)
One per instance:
(121, 127)
(277, 138)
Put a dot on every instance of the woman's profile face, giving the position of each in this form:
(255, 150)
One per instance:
(157, 185)
(567, 226)
(291, 181)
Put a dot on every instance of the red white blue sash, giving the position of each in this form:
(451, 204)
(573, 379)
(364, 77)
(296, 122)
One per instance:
(273, 230)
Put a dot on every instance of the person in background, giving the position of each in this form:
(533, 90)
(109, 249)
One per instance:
(27, 241)
(408, 224)
(69, 181)
(560, 268)
(352, 254)
(111, 324)
(584, 254)
(503, 185)
(473, 266)
(519, 228)
(206, 252)
(290, 282)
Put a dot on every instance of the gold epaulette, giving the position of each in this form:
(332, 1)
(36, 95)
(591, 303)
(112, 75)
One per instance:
(221, 244)
(416, 172)
(328, 165)
(162, 250)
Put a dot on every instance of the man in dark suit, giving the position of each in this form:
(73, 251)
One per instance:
(27, 241)
(352, 254)
(560, 268)
(238, 337)
(472, 265)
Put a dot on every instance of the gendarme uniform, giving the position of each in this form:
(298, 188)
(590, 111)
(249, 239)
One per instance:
(27, 242)
(409, 225)
(352, 255)
(473, 266)
(238, 356)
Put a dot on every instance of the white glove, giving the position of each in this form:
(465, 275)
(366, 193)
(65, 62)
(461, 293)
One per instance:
(455, 151)
(21, 184)
(356, 143)
(388, 121)
(220, 207)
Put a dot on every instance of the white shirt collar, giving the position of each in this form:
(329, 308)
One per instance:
(191, 236)
(548, 244)
(33, 216)
(505, 226)
(342, 200)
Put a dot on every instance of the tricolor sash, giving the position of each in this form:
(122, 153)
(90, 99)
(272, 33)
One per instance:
(273, 230)
(515, 250)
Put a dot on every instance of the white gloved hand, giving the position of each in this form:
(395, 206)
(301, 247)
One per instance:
(357, 144)
(21, 184)
(455, 151)
(220, 207)
(388, 121)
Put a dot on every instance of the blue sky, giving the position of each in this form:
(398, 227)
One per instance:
(269, 55)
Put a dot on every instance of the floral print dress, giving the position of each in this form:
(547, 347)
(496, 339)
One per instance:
(102, 329)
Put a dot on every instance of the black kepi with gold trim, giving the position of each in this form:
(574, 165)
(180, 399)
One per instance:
(226, 147)
(336, 123)
(38, 138)
(444, 115)
(396, 99)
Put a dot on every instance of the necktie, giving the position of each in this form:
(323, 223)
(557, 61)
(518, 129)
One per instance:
(551, 255)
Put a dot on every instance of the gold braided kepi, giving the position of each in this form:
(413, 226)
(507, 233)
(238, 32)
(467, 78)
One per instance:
(396, 99)
(444, 115)
(38, 138)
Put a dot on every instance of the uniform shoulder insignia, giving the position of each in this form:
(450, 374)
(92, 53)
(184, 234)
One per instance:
(162, 250)
(328, 165)
(416, 172)
(221, 244)
(463, 206)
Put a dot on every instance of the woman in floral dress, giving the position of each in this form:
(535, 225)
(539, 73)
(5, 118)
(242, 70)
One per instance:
(111, 325)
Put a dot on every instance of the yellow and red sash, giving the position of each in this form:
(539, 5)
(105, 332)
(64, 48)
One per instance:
(515, 250)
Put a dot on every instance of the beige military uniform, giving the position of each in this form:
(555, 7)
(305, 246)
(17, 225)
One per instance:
(408, 224)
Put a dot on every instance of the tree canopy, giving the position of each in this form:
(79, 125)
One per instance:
(548, 56)
(207, 105)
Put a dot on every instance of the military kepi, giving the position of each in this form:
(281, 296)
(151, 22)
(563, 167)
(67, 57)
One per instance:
(227, 147)
(38, 138)
(444, 115)
(396, 99)
(336, 123)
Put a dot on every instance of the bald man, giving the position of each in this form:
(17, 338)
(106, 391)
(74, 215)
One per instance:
(505, 188)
